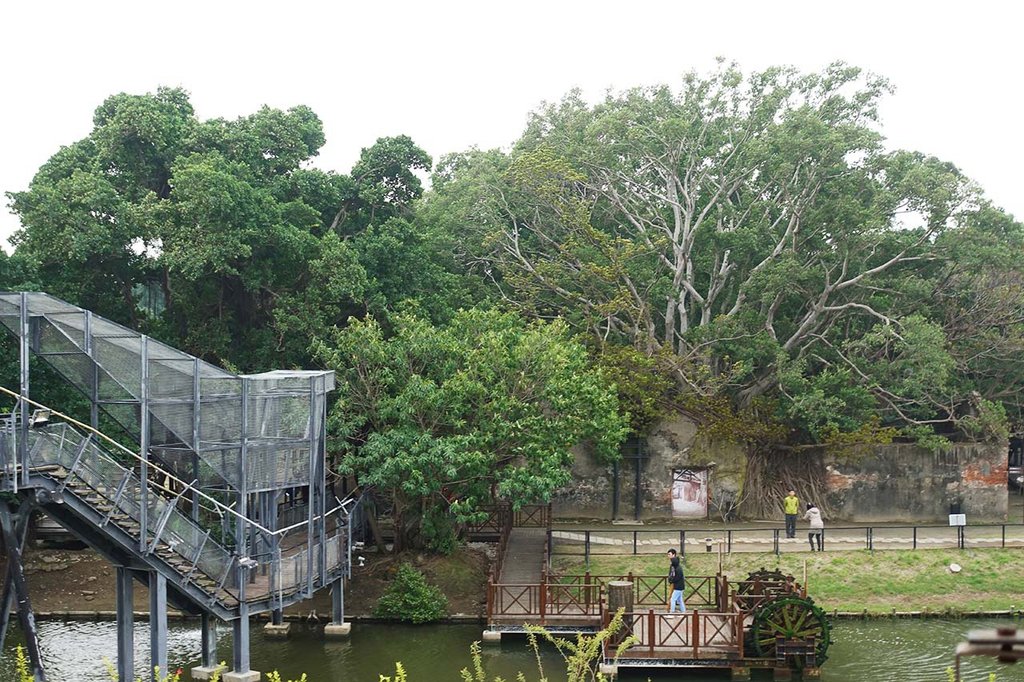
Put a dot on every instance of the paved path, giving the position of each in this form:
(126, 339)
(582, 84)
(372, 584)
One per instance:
(524, 557)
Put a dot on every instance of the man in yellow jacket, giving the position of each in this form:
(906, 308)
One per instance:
(791, 507)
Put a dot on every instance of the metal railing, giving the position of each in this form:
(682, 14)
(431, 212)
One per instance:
(284, 561)
(611, 541)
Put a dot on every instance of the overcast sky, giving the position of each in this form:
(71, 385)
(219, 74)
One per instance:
(452, 75)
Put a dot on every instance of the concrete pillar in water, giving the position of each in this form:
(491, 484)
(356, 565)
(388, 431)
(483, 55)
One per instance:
(338, 628)
(620, 596)
(277, 628)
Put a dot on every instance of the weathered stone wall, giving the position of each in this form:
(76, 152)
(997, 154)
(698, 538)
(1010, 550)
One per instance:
(898, 482)
(903, 482)
(673, 444)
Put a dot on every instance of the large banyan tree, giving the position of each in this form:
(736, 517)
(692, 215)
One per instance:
(753, 238)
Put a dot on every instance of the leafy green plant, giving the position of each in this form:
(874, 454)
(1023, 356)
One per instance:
(276, 677)
(21, 666)
(411, 598)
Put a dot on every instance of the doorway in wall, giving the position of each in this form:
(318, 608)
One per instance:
(690, 493)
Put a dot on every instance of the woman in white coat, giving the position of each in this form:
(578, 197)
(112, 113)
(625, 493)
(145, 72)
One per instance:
(813, 515)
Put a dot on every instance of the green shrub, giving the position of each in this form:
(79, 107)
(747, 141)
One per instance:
(409, 597)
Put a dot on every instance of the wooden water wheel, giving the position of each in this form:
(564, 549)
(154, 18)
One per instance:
(764, 578)
(796, 620)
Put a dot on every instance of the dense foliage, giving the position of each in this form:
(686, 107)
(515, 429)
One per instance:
(217, 237)
(409, 597)
(742, 248)
(446, 419)
(752, 236)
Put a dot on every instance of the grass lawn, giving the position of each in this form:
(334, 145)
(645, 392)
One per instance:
(904, 580)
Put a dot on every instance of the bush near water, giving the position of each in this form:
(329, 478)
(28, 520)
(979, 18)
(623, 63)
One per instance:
(411, 598)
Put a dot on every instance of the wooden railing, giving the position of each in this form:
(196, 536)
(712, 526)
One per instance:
(538, 603)
(502, 517)
(532, 516)
(694, 634)
(701, 592)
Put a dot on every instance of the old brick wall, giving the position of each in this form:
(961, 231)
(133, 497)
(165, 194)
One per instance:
(898, 482)
(904, 482)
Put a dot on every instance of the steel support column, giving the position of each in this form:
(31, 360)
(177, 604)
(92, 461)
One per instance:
(338, 601)
(7, 599)
(240, 639)
(94, 388)
(240, 626)
(144, 443)
(157, 622)
(196, 436)
(208, 625)
(23, 351)
(125, 624)
(25, 616)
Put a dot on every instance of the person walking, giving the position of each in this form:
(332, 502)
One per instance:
(813, 515)
(678, 581)
(791, 507)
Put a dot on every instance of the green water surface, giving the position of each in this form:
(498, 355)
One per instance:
(863, 651)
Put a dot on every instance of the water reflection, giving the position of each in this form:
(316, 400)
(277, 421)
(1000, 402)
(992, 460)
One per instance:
(864, 651)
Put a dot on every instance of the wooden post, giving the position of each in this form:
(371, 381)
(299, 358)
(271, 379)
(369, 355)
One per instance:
(696, 634)
(620, 596)
(543, 601)
(650, 631)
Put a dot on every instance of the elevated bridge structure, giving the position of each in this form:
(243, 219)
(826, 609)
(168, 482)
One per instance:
(220, 506)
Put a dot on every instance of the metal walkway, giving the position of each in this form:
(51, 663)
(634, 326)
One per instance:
(223, 507)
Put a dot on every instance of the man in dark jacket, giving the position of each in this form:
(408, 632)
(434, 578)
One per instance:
(678, 581)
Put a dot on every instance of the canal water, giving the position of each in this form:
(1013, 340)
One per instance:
(863, 651)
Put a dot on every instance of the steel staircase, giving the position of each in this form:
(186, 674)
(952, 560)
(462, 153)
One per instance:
(223, 508)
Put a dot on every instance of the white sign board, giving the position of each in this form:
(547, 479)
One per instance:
(958, 519)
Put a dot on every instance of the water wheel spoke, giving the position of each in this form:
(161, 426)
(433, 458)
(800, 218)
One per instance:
(800, 622)
(787, 618)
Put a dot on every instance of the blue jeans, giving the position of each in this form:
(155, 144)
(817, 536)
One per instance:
(677, 598)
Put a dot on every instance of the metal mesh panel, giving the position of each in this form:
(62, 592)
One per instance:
(120, 359)
(172, 423)
(171, 372)
(224, 464)
(278, 417)
(127, 415)
(71, 325)
(280, 432)
(44, 304)
(270, 468)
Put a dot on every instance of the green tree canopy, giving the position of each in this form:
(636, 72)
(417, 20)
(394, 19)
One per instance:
(444, 417)
(752, 234)
(218, 237)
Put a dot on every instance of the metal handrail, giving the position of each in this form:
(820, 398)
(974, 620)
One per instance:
(220, 507)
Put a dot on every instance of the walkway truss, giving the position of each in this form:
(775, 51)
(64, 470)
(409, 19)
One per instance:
(222, 510)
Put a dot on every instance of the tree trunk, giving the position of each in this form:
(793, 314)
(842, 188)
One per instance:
(772, 473)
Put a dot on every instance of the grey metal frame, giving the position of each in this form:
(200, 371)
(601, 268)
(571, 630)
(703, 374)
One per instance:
(249, 437)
